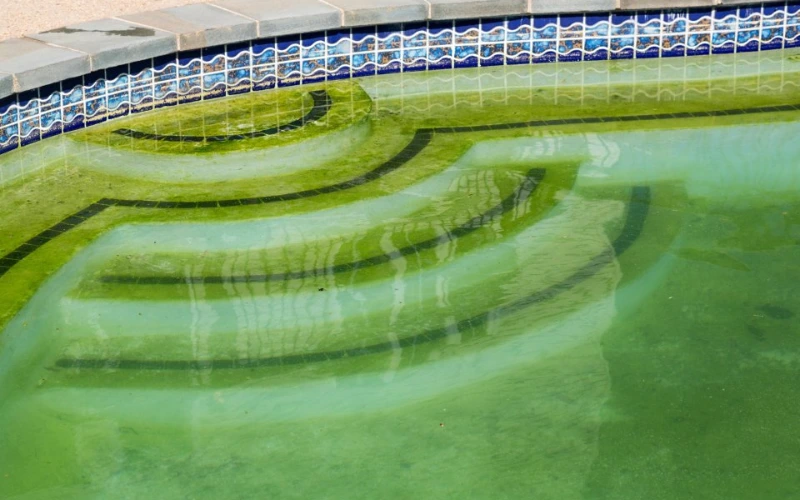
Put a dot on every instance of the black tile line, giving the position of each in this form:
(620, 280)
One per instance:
(622, 118)
(421, 139)
(322, 104)
(636, 215)
(523, 192)
(40, 239)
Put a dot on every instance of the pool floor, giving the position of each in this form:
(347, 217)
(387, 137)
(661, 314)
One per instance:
(572, 281)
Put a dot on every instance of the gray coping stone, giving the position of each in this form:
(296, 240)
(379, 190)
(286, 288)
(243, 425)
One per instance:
(198, 25)
(461, 9)
(367, 12)
(286, 17)
(564, 6)
(6, 84)
(34, 64)
(659, 4)
(111, 42)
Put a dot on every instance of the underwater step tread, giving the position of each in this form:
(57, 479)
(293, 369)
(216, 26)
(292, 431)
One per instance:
(420, 141)
(527, 187)
(321, 107)
(638, 209)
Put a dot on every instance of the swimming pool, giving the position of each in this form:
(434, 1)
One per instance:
(557, 281)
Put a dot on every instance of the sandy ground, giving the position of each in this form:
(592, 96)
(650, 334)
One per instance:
(20, 17)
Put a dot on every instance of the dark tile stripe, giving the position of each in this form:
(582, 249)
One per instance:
(40, 239)
(634, 222)
(523, 192)
(420, 140)
(613, 119)
(322, 104)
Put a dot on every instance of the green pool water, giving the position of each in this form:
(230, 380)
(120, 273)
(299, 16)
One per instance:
(569, 281)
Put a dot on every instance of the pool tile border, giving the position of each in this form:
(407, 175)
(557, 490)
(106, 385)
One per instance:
(183, 76)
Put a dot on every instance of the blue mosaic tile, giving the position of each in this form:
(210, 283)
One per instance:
(363, 51)
(570, 27)
(647, 47)
(622, 47)
(30, 133)
(673, 45)
(50, 97)
(364, 39)
(466, 31)
(725, 19)
(466, 56)
(214, 65)
(415, 35)
(390, 36)
(264, 77)
(440, 57)
(723, 42)
(364, 64)
(54, 128)
(792, 36)
(622, 24)
(141, 99)
(748, 40)
(164, 91)
(95, 111)
(8, 110)
(675, 21)
(141, 73)
(492, 54)
(493, 31)
(699, 21)
(288, 48)
(9, 138)
(698, 44)
(73, 117)
(519, 29)
(117, 79)
(544, 51)
(518, 52)
(597, 26)
(389, 61)
(118, 105)
(748, 18)
(189, 63)
(793, 14)
(771, 38)
(165, 68)
(313, 70)
(570, 50)
(8, 146)
(50, 118)
(545, 28)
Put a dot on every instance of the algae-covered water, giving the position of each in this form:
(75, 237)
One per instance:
(556, 282)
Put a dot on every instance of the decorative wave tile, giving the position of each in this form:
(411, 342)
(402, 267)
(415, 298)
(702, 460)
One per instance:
(312, 57)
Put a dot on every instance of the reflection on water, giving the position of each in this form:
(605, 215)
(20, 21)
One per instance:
(591, 311)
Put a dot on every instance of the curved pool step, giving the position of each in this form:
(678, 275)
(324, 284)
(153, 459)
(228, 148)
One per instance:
(322, 104)
(530, 182)
(299, 319)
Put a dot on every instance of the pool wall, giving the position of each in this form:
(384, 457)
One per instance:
(75, 77)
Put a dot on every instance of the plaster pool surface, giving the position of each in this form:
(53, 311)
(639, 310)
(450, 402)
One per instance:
(575, 281)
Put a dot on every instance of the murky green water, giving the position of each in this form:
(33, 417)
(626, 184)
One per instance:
(572, 281)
